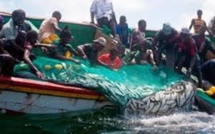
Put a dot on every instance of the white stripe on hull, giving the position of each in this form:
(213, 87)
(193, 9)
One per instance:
(43, 104)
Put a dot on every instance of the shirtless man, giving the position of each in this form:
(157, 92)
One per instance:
(198, 22)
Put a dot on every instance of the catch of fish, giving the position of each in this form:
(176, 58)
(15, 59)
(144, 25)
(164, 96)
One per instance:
(134, 100)
(179, 96)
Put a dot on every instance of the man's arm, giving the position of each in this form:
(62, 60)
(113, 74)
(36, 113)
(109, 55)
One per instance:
(114, 17)
(92, 17)
(192, 62)
(29, 62)
(210, 25)
(57, 28)
(92, 11)
(55, 25)
(210, 32)
(191, 24)
(155, 41)
(81, 52)
(71, 49)
(113, 13)
(155, 52)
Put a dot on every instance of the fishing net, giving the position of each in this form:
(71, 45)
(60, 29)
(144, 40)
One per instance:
(131, 81)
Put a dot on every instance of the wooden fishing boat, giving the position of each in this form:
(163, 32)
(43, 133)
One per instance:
(31, 96)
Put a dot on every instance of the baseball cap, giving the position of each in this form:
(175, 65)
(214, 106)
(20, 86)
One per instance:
(101, 40)
(185, 31)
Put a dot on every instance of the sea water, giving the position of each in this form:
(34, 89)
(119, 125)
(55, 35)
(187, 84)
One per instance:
(107, 122)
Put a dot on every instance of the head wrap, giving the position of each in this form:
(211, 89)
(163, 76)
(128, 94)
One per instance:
(167, 28)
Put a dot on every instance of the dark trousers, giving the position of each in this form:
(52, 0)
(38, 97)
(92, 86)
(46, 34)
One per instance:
(7, 64)
(109, 23)
(15, 47)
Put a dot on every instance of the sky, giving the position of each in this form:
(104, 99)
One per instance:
(178, 13)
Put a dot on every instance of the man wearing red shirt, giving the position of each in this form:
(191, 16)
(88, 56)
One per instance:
(187, 55)
(165, 41)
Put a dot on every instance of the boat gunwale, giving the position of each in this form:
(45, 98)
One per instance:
(47, 88)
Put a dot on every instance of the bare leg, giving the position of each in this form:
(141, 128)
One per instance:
(112, 25)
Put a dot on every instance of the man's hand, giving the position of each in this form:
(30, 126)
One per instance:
(40, 75)
(84, 57)
(154, 68)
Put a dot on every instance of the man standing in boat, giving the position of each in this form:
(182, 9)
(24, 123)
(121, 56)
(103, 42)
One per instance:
(198, 22)
(165, 40)
(187, 55)
(140, 46)
(123, 31)
(35, 73)
(103, 11)
(138, 35)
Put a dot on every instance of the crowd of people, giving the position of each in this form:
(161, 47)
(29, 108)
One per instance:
(174, 49)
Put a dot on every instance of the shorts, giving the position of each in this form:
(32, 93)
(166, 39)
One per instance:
(49, 40)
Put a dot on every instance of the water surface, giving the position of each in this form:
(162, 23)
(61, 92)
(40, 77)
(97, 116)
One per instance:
(108, 122)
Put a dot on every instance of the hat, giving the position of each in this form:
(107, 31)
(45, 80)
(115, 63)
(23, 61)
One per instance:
(167, 28)
(185, 31)
(101, 40)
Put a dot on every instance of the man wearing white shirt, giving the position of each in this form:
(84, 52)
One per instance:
(103, 11)
(13, 34)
